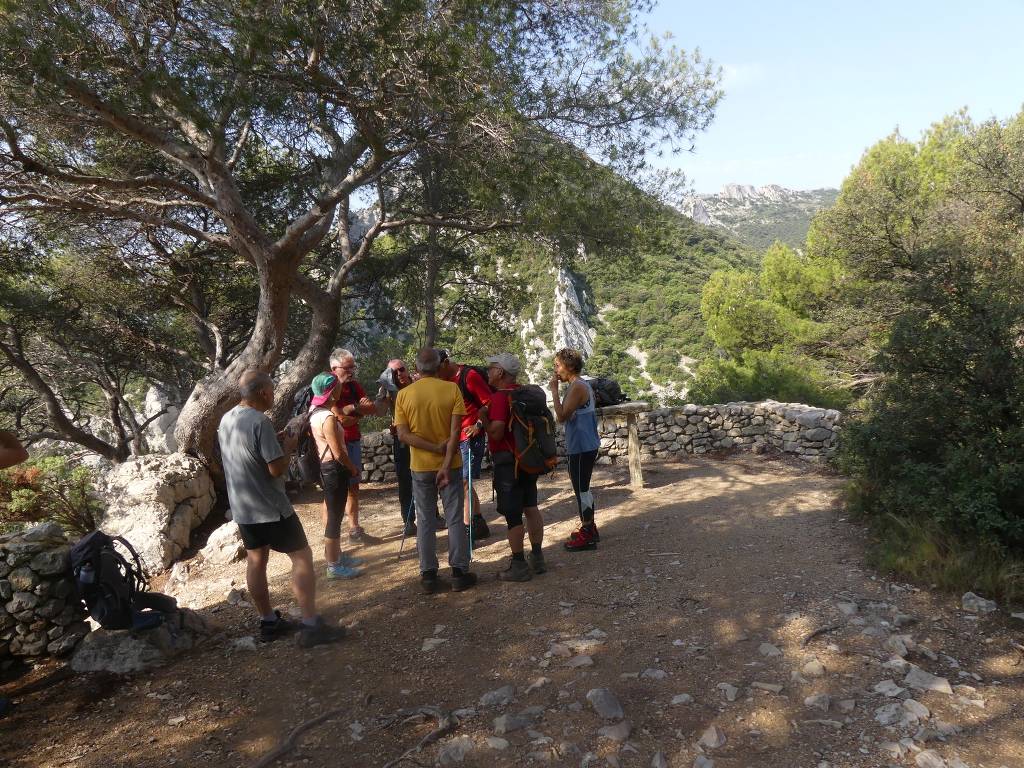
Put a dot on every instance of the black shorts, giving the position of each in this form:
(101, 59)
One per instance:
(513, 493)
(284, 535)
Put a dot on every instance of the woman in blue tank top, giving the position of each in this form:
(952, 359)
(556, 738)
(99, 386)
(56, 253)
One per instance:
(577, 412)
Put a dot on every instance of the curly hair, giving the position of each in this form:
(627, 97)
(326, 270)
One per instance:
(571, 359)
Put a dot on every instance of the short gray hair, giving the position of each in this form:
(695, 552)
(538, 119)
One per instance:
(428, 360)
(252, 382)
(339, 355)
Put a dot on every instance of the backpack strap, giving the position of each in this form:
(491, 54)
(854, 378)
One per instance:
(136, 581)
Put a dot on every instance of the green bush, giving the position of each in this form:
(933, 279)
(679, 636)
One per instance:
(49, 489)
(758, 375)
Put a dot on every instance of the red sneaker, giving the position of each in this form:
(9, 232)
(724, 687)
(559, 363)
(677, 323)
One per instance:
(584, 537)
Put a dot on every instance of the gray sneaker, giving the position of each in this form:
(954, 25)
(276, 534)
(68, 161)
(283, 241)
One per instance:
(537, 564)
(518, 570)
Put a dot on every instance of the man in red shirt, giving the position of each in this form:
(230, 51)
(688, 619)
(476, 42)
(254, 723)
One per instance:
(351, 406)
(516, 491)
(475, 394)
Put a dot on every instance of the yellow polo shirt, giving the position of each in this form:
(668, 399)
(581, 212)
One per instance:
(426, 407)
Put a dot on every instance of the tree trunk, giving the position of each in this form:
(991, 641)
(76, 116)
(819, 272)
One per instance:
(216, 394)
(312, 358)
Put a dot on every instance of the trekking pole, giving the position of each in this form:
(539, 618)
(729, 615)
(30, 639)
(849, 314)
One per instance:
(469, 501)
(405, 526)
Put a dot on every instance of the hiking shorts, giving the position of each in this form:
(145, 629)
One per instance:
(334, 479)
(355, 452)
(513, 493)
(284, 535)
(474, 446)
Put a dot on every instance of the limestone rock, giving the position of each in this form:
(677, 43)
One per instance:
(499, 697)
(925, 681)
(976, 604)
(618, 732)
(768, 650)
(712, 738)
(659, 761)
(819, 701)
(454, 751)
(605, 703)
(224, 545)
(124, 651)
(929, 758)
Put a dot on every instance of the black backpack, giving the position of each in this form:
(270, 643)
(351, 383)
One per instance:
(533, 430)
(606, 391)
(467, 394)
(304, 466)
(112, 587)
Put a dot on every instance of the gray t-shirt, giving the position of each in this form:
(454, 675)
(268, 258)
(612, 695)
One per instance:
(247, 443)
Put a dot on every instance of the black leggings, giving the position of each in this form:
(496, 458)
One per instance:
(581, 467)
(334, 479)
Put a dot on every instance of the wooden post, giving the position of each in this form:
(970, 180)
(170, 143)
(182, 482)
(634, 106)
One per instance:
(636, 473)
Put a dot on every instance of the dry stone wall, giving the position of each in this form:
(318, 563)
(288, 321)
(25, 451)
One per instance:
(39, 611)
(809, 433)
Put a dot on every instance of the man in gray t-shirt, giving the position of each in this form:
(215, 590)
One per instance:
(254, 467)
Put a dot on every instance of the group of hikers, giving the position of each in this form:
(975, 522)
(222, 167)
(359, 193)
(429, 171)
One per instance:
(445, 416)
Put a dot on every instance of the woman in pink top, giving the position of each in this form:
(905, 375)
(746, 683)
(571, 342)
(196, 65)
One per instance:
(335, 470)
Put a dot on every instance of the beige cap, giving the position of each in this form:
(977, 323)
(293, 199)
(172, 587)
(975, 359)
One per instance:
(508, 363)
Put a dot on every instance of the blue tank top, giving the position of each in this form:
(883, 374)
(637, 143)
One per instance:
(581, 428)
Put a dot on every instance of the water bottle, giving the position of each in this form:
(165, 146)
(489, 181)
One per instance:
(86, 574)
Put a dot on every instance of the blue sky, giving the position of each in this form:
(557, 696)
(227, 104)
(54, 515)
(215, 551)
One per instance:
(810, 85)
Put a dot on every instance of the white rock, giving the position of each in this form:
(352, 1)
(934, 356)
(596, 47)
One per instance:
(618, 732)
(890, 714)
(976, 604)
(813, 668)
(432, 644)
(728, 690)
(247, 643)
(888, 688)
(654, 674)
(819, 701)
(499, 697)
(712, 738)
(579, 661)
(681, 698)
(605, 703)
(925, 681)
(659, 761)
(496, 742)
(916, 709)
(929, 759)
(770, 687)
(176, 720)
(768, 650)
(537, 684)
(224, 545)
(847, 609)
(454, 751)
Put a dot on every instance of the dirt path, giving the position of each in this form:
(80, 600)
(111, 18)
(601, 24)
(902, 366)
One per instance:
(705, 584)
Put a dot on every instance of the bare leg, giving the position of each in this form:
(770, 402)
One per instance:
(535, 524)
(304, 581)
(256, 579)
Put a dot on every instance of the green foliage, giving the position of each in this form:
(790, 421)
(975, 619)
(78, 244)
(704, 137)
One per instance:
(762, 375)
(49, 489)
(929, 234)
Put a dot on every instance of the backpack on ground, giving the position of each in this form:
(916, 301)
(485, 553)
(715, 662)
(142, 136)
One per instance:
(533, 430)
(606, 391)
(114, 588)
(467, 394)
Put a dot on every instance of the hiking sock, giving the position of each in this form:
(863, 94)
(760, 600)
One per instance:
(519, 556)
(537, 549)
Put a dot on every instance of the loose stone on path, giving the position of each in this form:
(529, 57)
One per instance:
(605, 703)
(712, 738)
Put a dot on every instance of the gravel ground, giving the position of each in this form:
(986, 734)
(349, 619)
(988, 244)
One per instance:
(695, 616)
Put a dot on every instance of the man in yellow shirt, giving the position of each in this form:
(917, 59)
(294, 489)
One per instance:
(428, 417)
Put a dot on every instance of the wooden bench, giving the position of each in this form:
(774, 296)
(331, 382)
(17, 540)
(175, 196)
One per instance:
(630, 411)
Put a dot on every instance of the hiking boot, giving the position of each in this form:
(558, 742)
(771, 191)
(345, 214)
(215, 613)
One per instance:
(480, 529)
(536, 561)
(279, 627)
(518, 570)
(584, 537)
(430, 583)
(463, 581)
(319, 634)
(409, 529)
(341, 571)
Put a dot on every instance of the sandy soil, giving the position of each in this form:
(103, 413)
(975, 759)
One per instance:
(694, 574)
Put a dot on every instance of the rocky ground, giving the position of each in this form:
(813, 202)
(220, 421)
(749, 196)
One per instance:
(728, 619)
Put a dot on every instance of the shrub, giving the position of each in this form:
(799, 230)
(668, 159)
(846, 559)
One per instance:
(49, 489)
(758, 375)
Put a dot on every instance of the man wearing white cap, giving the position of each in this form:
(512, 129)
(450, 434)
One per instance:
(515, 491)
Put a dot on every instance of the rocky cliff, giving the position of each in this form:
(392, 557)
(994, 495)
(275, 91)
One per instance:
(760, 215)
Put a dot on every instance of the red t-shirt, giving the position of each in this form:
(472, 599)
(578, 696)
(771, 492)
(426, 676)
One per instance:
(351, 393)
(480, 394)
(499, 410)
